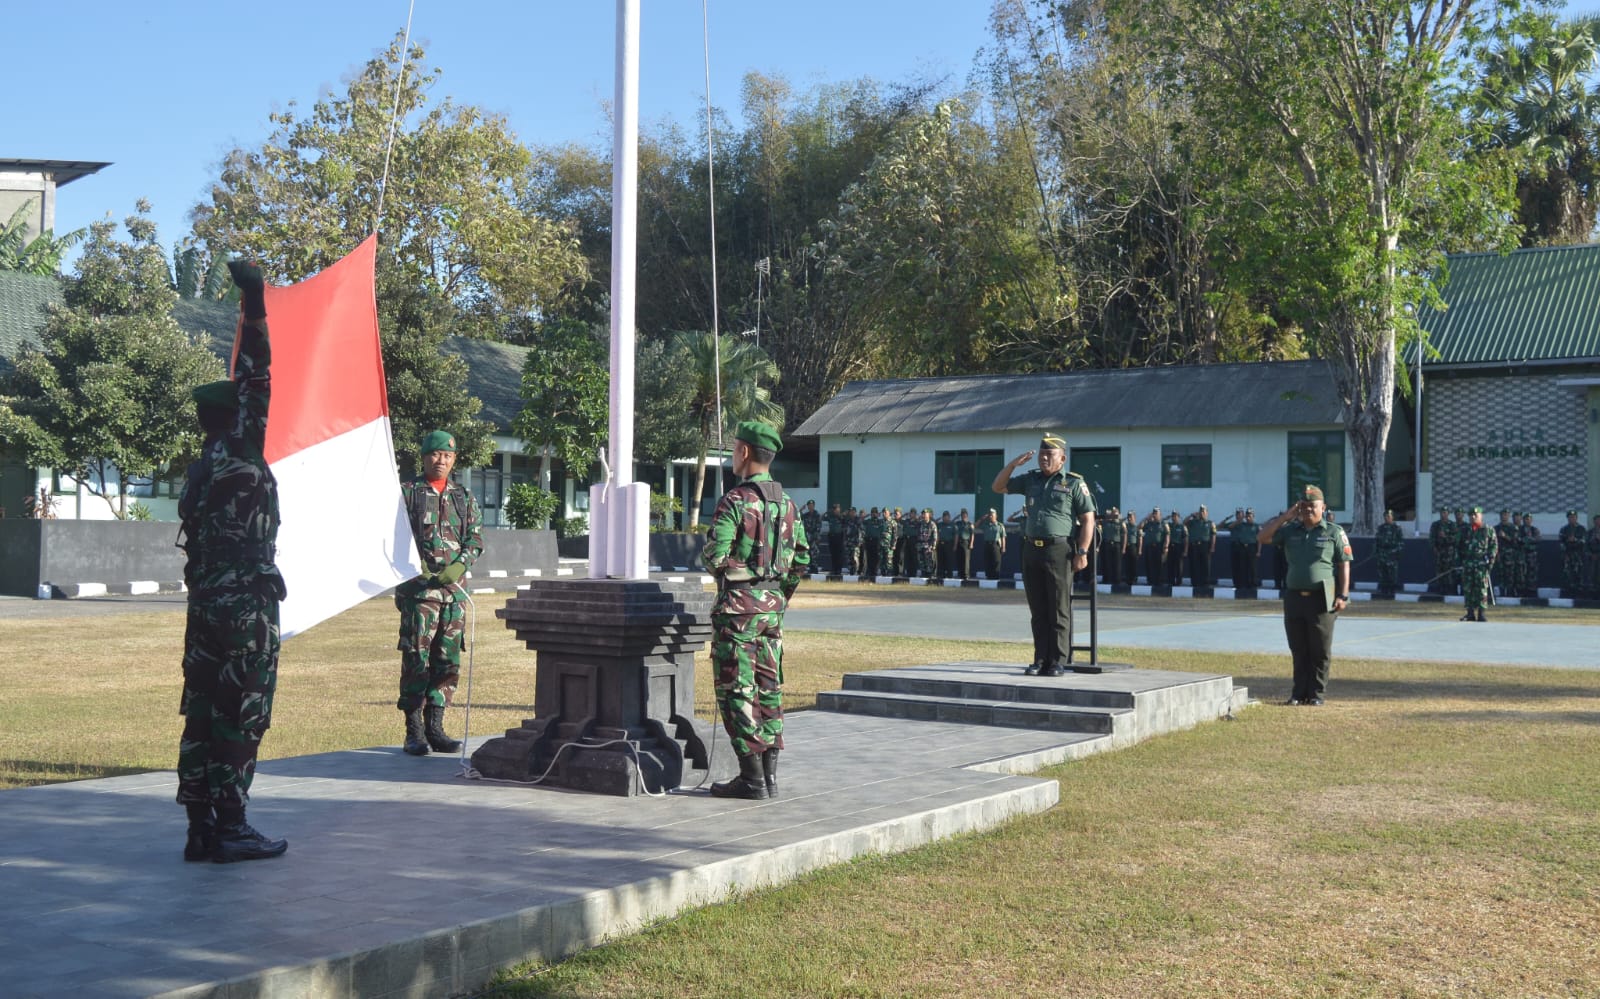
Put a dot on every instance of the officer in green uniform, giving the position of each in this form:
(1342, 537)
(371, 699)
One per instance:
(966, 533)
(1056, 535)
(1389, 543)
(872, 536)
(947, 543)
(1177, 546)
(1235, 549)
(1572, 538)
(1508, 566)
(1153, 542)
(993, 531)
(852, 542)
(1114, 541)
(908, 542)
(1202, 546)
(1529, 537)
(1135, 548)
(1478, 551)
(757, 549)
(1249, 534)
(1317, 587)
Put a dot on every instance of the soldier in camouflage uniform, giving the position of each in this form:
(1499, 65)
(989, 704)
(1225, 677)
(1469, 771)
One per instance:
(927, 545)
(1508, 567)
(229, 509)
(1591, 550)
(852, 542)
(1442, 540)
(833, 520)
(1478, 551)
(758, 554)
(945, 550)
(1572, 538)
(1389, 543)
(966, 535)
(1153, 540)
(812, 520)
(449, 530)
(1114, 539)
(908, 542)
(872, 538)
(1528, 538)
(891, 542)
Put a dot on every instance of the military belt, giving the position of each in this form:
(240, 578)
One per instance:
(1050, 540)
(222, 554)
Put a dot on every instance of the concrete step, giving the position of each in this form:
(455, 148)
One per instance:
(1014, 687)
(1005, 713)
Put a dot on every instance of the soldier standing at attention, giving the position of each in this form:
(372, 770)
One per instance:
(1442, 540)
(229, 508)
(812, 520)
(1529, 536)
(1389, 542)
(1231, 524)
(1478, 551)
(872, 535)
(947, 542)
(1572, 538)
(1135, 548)
(852, 542)
(833, 520)
(449, 530)
(1317, 582)
(1509, 565)
(908, 542)
(927, 545)
(1460, 513)
(1177, 545)
(994, 543)
(891, 542)
(1056, 535)
(758, 553)
(1249, 533)
(1202, 546)
(966, 533)
(1153, 540)
(1591, 550)
(1114, 541)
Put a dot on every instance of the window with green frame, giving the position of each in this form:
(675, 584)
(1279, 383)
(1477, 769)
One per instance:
(1186, 466)
(956, 472)
(1316, 458)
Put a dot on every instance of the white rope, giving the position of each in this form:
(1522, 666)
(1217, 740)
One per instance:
(394, 115)
(711, 202)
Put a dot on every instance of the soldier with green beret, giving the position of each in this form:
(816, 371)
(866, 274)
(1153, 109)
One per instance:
(1478, 550)
(1177, 547)
(1153, 538)
(1389, 544)
(1442, 542)
(448, 527)
(1114, 540)
(1572, 539)
(1056, 535)
(229, 513)
(1202, 546)
(1508, 565)
(966, 535)
(1528, 537)
(993, 531)
(1316, 587)
(758, 552)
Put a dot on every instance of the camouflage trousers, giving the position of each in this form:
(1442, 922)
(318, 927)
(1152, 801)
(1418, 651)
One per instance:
(1572, 572)
(927, 561)
(432, 633)
(1508, 570)
(1475, 586)
(230, 671)
(1388, 573)
(747, 656)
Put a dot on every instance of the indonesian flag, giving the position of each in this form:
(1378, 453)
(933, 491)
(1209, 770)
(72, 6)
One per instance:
(344, 535)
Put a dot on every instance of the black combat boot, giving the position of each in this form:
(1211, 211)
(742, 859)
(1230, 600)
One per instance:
(437, 740)
(751, 782)
(769, 768)
(416, 740)
(202, 832)
(237, 841)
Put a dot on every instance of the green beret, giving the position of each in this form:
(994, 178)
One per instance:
(439, 440)
(758, 434)
(1476, 509)
(1051, 442)
(1572, 513)
(222, 395)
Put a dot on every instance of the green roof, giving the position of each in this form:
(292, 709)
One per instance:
(1540, 306)
(23, 298)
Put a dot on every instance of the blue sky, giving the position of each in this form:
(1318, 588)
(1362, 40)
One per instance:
(164, 89)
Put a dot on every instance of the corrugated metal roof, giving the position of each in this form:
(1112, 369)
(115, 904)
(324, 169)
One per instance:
(1530, 305)
(494, 374)
(1287, 393)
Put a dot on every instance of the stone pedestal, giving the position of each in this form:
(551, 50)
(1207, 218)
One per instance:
(614, 698)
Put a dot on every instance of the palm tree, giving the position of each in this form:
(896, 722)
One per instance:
(1538, 98)
(40, 255)
(744, 367)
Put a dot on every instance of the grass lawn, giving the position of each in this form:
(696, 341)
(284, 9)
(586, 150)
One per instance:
(1434, 830)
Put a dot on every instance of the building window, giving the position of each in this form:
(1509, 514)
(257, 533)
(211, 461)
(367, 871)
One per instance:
(956, 472)
(1316, 458)
(1186, 466)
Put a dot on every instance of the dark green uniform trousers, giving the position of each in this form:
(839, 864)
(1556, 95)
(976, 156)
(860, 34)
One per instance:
(1047, 580)
(1309, 627)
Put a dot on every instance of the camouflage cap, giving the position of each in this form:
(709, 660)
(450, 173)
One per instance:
(439, 440)
(221, 394)
(758, 434)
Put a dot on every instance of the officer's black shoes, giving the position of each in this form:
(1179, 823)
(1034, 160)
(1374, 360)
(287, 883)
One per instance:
(769, 769)
(1467, 617)
(750, 784)
(437, 740)
(1032, 670)
(236, 841)
(1480, 615)
(1050, 669)
(1312, 702)
(416, 739)
(1292, 702)
(202, 832)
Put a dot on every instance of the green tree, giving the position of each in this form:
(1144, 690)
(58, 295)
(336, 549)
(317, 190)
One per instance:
(105, 396)
(1355, 110)
(566, 385)
(664, 426)
(741, 394)
(40, 255)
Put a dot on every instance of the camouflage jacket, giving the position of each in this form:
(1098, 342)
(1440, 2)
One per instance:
(229, 504)
(1478, 547)
(755, 543)
(1572, 537)
(1390, 540)
(448, 527)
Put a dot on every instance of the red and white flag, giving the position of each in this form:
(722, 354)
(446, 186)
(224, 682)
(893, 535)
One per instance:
(344, 535)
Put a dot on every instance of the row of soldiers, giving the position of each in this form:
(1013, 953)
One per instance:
(896, 542)
(1161, 545)
(1516, 563)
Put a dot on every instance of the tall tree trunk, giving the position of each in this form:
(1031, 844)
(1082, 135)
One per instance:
(699, 488)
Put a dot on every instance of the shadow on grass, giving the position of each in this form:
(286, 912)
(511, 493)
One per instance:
(26, 773)
(1512, 715)
(1429, 690)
